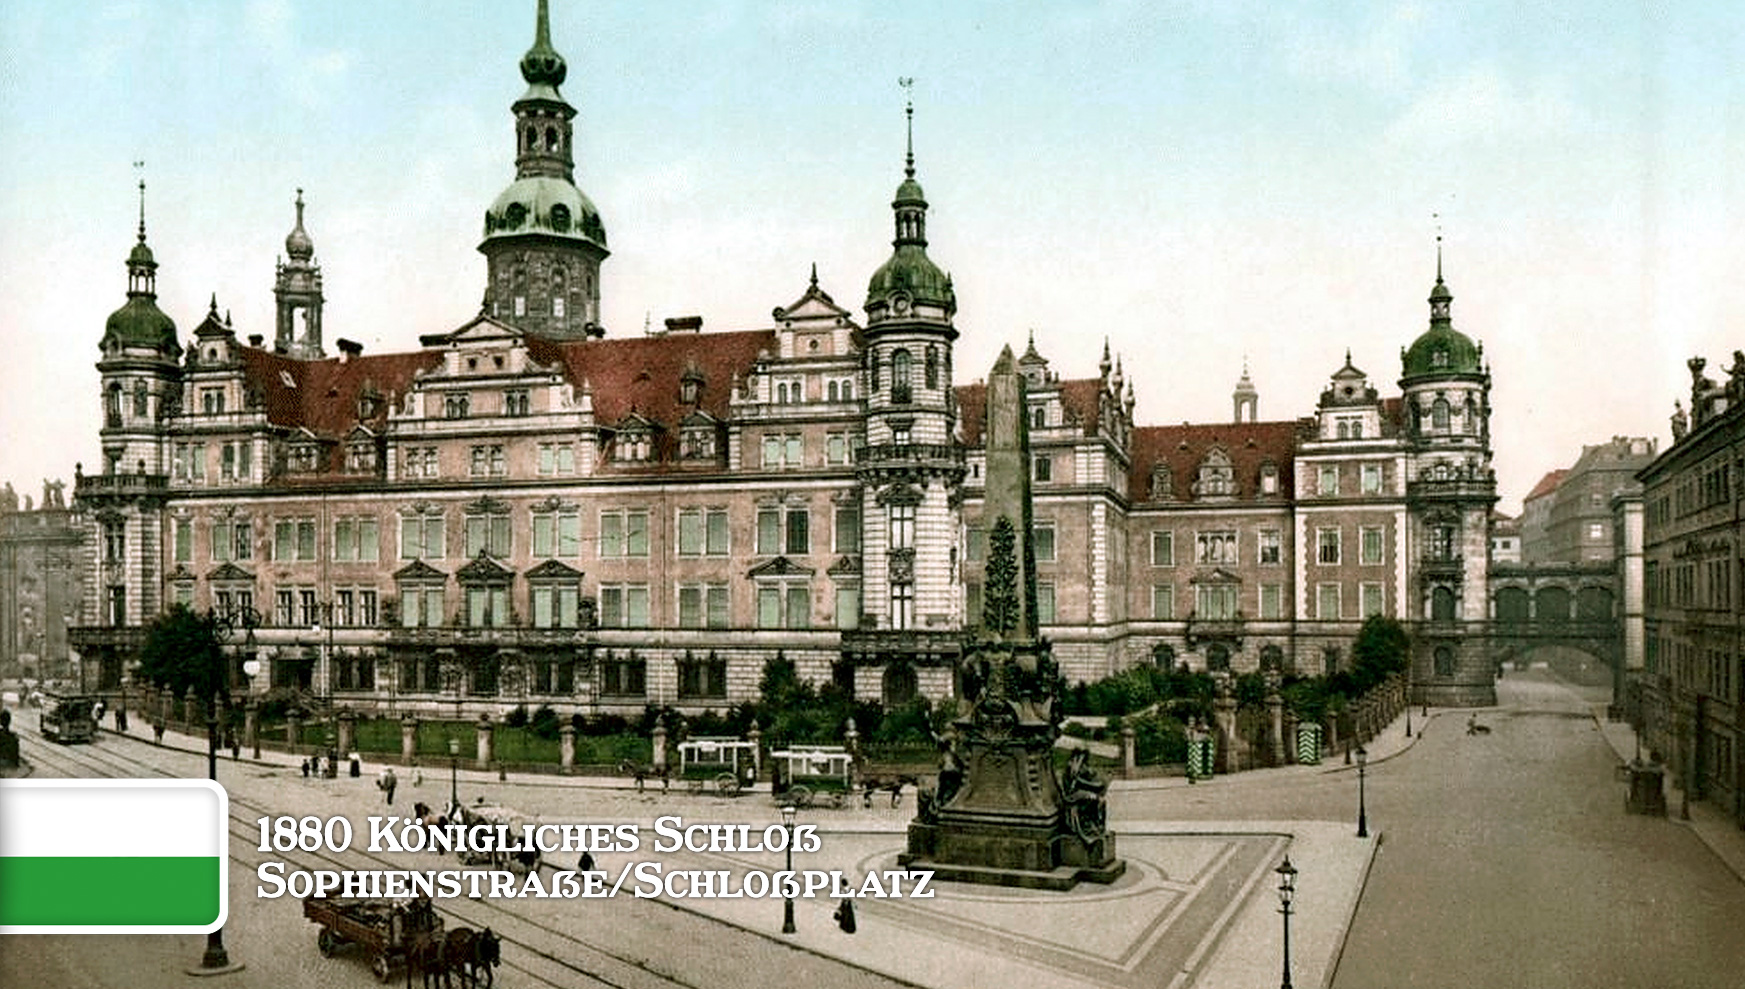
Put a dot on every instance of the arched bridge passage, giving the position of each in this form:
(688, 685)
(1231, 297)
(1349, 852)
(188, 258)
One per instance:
(1556, 604)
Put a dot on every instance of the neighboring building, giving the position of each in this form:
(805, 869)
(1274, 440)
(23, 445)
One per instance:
(1505, 538)
(1535, 520)
(1691, 688)
(1580, 529)
(40, 585)
(526, 509)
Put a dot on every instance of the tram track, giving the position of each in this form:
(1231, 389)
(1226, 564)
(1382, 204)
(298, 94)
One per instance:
(627, 971)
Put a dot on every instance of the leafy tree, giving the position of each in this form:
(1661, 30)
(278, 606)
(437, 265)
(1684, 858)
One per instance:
(182, 651)
(1379, 651)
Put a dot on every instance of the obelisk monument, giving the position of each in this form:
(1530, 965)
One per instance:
(1001, 814)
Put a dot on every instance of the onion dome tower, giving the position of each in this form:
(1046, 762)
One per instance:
(911, 468)
(1450, 492)
(1245, 399)
(138, 366)
(543, 238)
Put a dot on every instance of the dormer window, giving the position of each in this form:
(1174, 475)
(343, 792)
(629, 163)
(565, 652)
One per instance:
(516, 402)
(697, 442)
(1160, 483)
(1439, 358)
(304, 457)
(633, 445)
(454, 406)
(360, 458)
(689, 390)
(1269, 479)
(212, 401)
(1217, 477)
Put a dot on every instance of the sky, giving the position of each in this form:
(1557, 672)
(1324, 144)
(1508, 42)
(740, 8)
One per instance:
(1200, 182)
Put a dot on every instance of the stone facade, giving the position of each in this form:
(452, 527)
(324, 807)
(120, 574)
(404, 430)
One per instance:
(529, 509)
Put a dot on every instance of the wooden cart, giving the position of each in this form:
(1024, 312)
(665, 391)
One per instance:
(384, 930)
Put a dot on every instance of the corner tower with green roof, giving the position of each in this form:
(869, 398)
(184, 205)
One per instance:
(1450, 491)
(543, 238)
(138, 366)
(912, 469)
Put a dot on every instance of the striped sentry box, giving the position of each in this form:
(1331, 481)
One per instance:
(88, 856)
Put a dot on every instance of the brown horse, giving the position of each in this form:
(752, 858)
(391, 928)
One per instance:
(642, 771)
(424, 951)
(473, 954)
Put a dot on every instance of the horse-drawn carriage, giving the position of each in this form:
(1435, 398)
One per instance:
(719, 765)
(394, 934)
(383, 930)
(813, 775)
(69, 718)
(523, 861)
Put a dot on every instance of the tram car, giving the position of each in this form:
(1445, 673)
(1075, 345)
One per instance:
(68, 719)
(811, 775)
(721, 765)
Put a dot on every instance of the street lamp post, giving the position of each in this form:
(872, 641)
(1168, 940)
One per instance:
(1287, 887)
(1362, 814)
(216, 959)
(788, 901)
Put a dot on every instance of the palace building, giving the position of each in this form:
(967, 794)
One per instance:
(527, 509)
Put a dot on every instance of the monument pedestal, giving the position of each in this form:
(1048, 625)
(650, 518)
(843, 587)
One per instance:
(1006, 855)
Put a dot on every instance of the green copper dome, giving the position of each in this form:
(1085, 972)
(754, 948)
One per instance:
(544, 204)
(911, 270)
(1442, 350)
(141, 324)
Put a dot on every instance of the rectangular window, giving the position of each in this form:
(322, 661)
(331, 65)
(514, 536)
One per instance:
(421, 537)
(1372, 599)
(976, 544)
(1044, 602)
(846, 536)
(1216, 547)
(624, 606)
(1215, 602)
(690, 606)
(185, 541)
(185, 595)
(902, 605)
(848, 606)
(1327, 602)
(487, 534)
(1269, 547)
(310, 609)
(242, 539)
(902, 535)
(284, 613)
(799, 531)
(782, 450)
(1163, 602)
(1369, 546)
(1042, 540)
(1272, 599)
(691, 532)
(1162, 548)
(1327, 546)
(972, 598)
(557, 534)
(355, 539)
(1329, 481)
(836, 448)
(227, 462)
(1371, 479)
(769, 532)
(1042, 468)
(799, 606)
(306, 539)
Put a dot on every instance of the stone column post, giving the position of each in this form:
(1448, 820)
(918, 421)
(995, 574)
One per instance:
(1129, 752)
(251, 726)
(484, 730)
(409, 739)
(659, 739)
(190, 710)
(1290, 732)
(1230, 746)
(293, 732)
(755, 737)
(1275, 706)
(347, 733)
(566, 747)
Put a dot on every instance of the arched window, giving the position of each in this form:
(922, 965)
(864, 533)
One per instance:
(901, 685)
(1512, 605)
(1344, 430)
(1444, 661)
(1272, 658)
(551, 139)
(112, 405)
(141, 405)
(1038, 417)
(900, 375)
(1439, 415)
(932, 366)
(1163, 656)
(872, 358)
(1218, 657)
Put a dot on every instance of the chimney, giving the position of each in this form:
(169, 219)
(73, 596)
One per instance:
(255, 339)
(348, 349)
(684, 324)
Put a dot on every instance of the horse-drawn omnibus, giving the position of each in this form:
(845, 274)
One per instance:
(719, 764)
(806, 775)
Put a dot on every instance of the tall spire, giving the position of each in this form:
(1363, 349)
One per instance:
(908, 84)
(1441, 299)
(141, 264)
(542, 65)
(297, 242)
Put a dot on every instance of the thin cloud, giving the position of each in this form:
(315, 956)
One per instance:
(1484, 106)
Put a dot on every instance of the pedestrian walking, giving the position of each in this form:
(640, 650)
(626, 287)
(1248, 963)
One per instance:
(157, 730)
(235, 746)
(587, 862)
(387, 781)
(304, 765)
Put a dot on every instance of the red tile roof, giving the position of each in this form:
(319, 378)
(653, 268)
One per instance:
(1184, 447)
(641, 374)
(322, 396)
(1078, 396)
(1547, 484)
